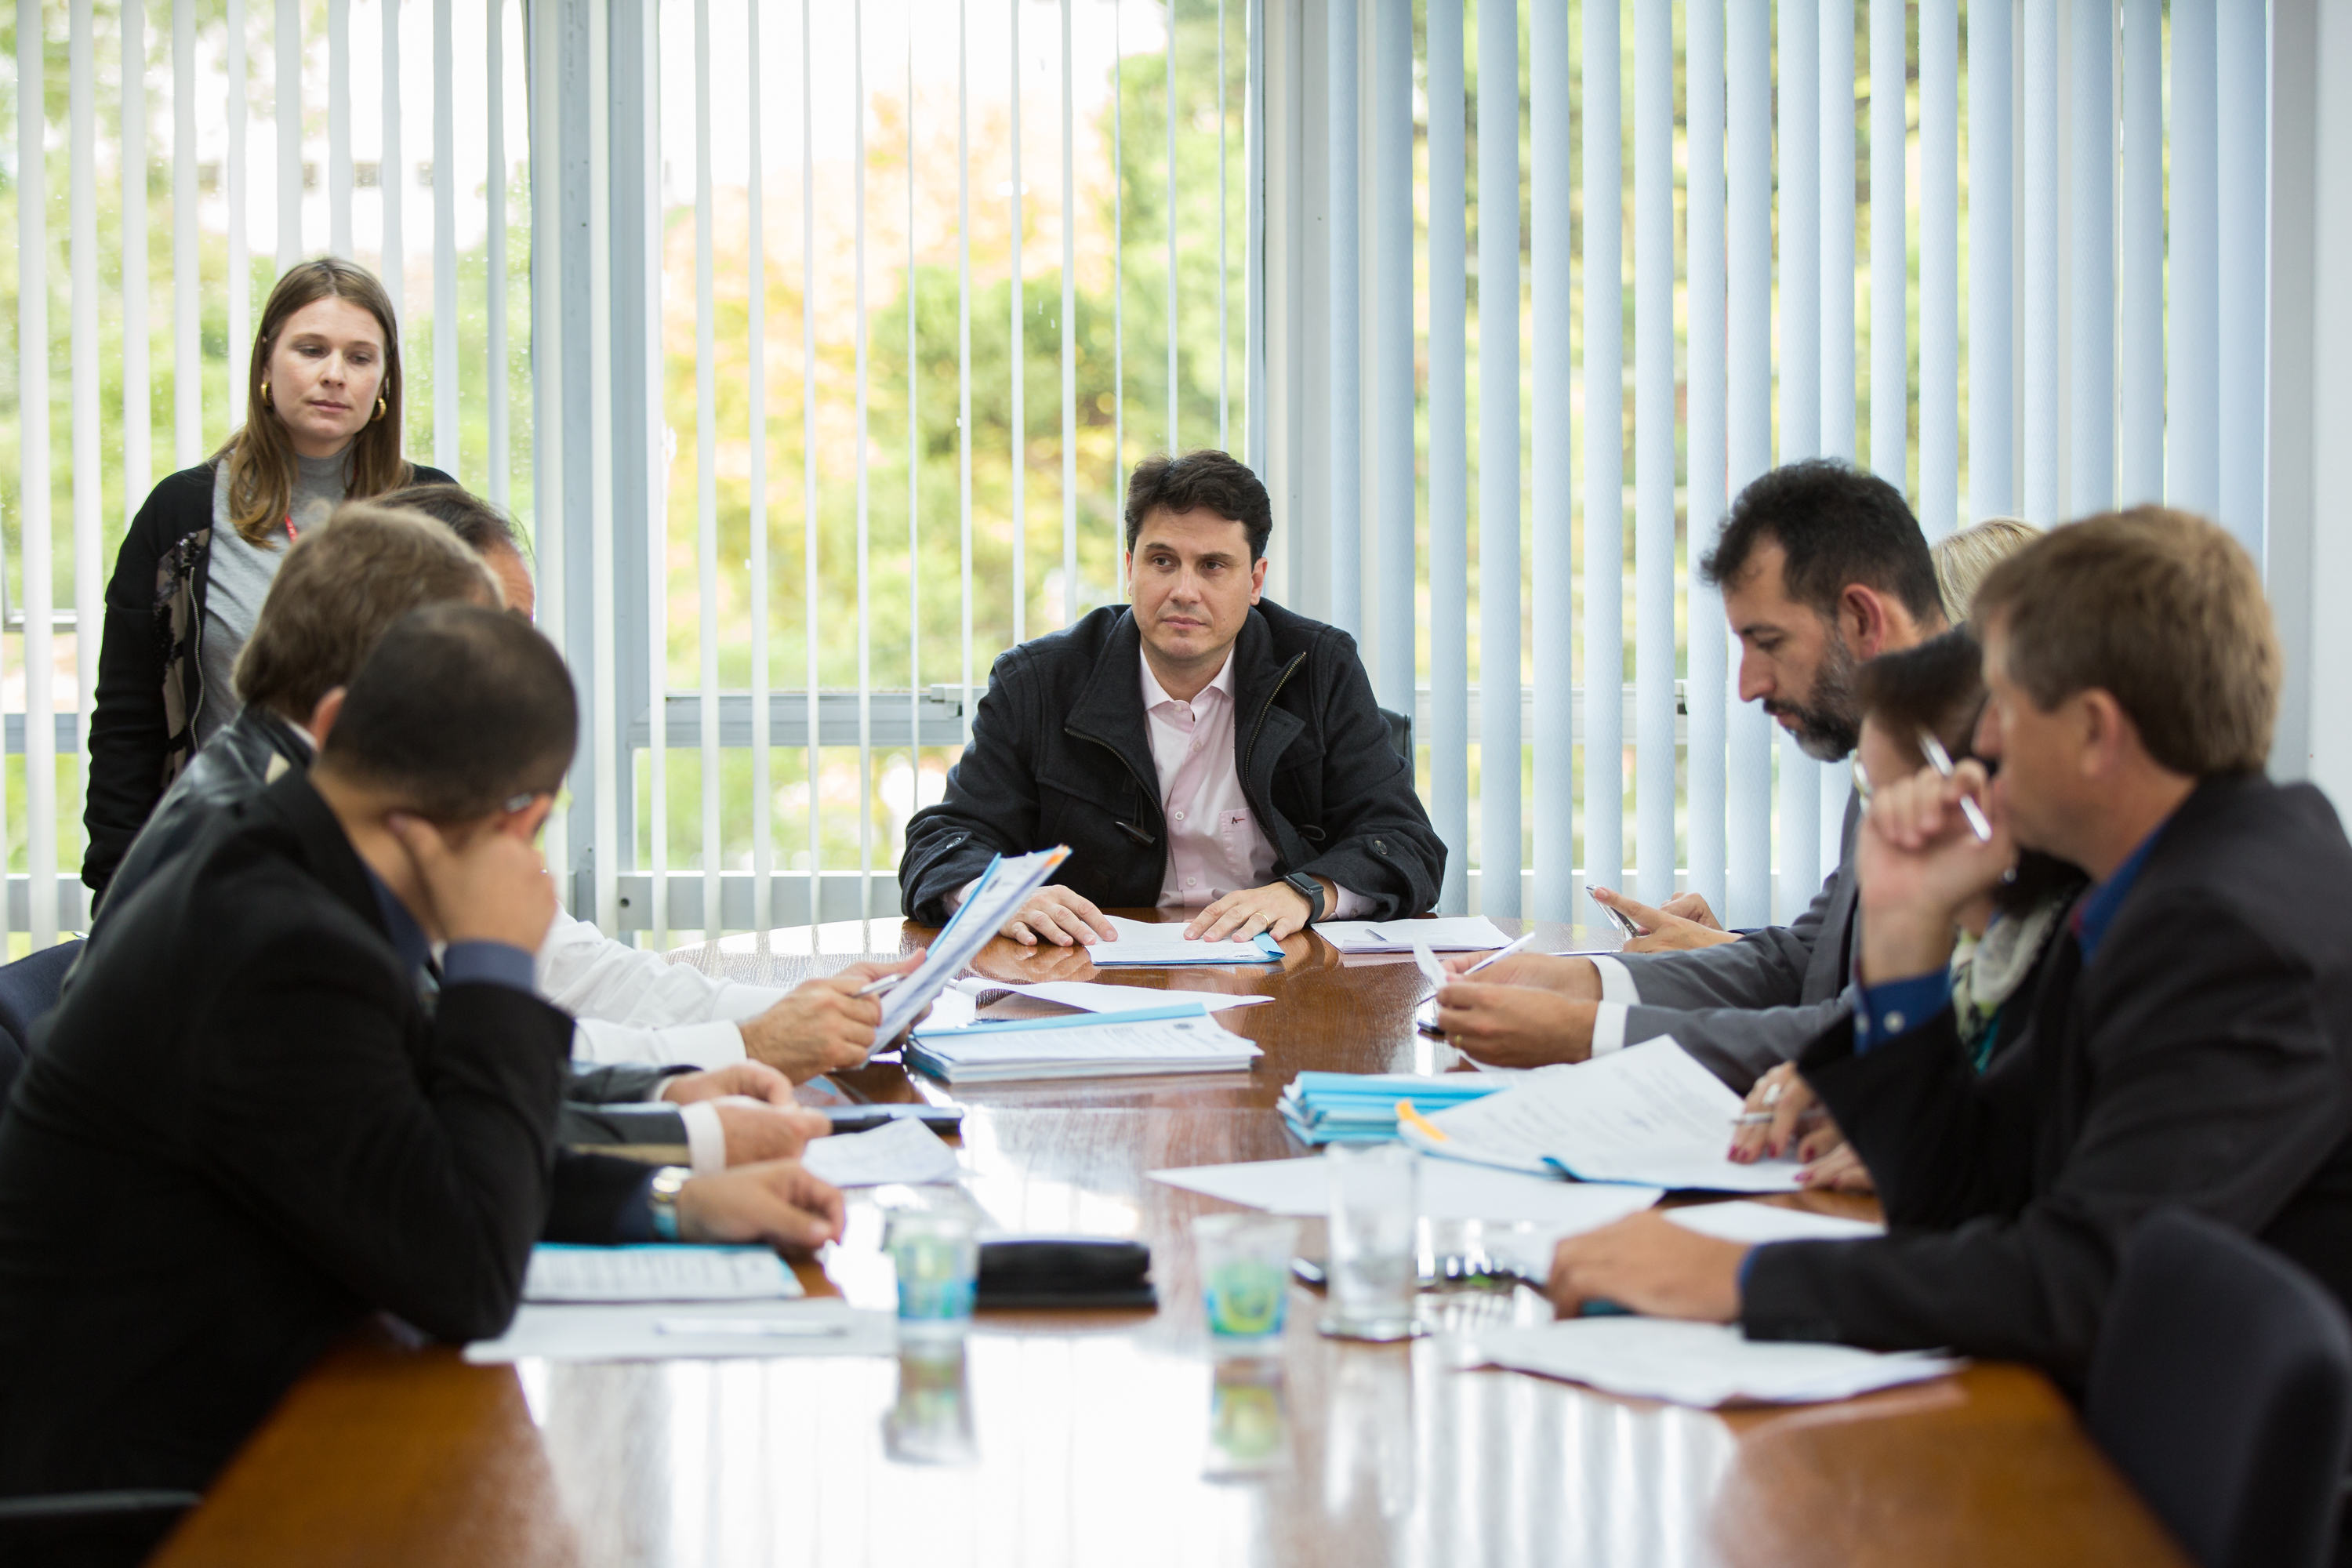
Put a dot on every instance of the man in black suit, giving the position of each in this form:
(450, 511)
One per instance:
(260, 1114)
(2191, 1042)
(1204, 750)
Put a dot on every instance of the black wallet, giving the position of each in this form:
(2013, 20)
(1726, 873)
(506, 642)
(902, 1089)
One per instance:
(1090, 1271)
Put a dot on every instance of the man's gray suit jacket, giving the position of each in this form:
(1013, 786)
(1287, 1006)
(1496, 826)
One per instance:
(1745, 1006)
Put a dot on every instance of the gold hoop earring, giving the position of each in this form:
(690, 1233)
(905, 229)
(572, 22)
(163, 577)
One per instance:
(379, 409)
(264, 394)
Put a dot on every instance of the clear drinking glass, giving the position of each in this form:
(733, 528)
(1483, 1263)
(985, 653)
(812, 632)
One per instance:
(937, 1259)
(1370, 1276)
(1245, 1260)
(930, 1422)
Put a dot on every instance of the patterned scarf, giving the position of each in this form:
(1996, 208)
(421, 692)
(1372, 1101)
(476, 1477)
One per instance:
(1988, 969)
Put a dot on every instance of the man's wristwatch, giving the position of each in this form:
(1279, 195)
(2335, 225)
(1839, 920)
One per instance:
(669, 1182)
(1312, 890)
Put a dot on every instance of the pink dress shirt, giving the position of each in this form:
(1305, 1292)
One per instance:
(1214, 845)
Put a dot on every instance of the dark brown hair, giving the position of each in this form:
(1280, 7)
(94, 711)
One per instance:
(2161, 610)
(1205, 480)
(1939, 685)
(1836, 524)
(261, 455)
(341, 584)
(457, 710)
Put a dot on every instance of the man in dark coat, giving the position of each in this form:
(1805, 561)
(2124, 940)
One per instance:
(2191, 1039)
(1203, 750)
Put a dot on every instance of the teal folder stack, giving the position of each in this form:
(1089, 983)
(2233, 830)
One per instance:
(1360, 1108)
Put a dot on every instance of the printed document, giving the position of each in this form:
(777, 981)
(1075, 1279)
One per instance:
(1002, 888)
(1647, 1114)
(1449, 1190)
(1755, 1224)
(1705, 1364)
(905, 1150)
(1140, 942)
(826, 1326)
(1459, 933)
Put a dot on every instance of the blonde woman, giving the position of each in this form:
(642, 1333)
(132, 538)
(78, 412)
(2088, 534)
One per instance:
(323, 391)
(1963, 559)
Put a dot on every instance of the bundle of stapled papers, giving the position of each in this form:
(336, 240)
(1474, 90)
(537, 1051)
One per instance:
(1143, 942)
(1180, 1038)
(1705, 1364)
(1649, 1114)
(1360, 1107)
(1471, 933)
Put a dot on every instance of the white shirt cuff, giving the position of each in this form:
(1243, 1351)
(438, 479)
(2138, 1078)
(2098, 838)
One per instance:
(1616, 980)
(1607, 1028)
(712, 1043)
(1352, 905)
(706, 1138)
(954, 900)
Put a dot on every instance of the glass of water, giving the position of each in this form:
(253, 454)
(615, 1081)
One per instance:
(1370, 1276)
(937, 1259)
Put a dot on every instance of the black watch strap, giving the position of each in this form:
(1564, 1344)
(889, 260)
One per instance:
(1313, 892)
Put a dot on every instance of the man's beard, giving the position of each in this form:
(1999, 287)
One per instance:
(1826, 728)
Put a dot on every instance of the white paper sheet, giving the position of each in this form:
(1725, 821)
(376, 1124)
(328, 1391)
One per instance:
(1648, 1113)
(825, 1326)
(974, 921)
(658, 1273)
(1108, 1049)
(1758, 1222)
(1461, 933)
(1449, 1190)
(1093, 996)
(905, 1150)
(1143, 942)
(1705, 1364)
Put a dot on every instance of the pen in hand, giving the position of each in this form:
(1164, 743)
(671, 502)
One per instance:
(1941, 761)
(877, 986)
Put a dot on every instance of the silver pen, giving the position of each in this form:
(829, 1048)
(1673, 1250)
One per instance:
(877, 986)
(1941, 761)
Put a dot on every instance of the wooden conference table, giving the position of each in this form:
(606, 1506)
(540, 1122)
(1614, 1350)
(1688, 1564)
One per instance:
(1113, 1438)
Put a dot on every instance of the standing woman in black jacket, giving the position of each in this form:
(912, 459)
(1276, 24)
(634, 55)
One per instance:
(322, 392)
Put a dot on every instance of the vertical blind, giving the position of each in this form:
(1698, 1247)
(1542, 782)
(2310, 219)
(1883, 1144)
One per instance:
(788, 328)
(2011, 256)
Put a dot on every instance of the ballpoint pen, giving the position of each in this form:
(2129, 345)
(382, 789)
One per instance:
(1500, 953)
(879, 984)
(1941, 761)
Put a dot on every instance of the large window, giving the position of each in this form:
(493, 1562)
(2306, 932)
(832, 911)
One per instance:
(812, 343)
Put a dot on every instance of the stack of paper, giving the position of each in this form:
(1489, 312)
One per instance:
(1124, 1046)
(1705, 1364)
(1140, 942)
(1471, 933)
(559, 1273)
(1648, 1114)
(1448, 1190)
(1350, 1107)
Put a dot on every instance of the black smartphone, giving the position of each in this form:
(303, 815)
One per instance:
(940, 1118)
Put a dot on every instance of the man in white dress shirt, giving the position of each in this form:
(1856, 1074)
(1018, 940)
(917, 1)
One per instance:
(1203, 750)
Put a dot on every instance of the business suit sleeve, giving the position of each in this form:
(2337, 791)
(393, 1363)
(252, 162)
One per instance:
(1739, 1045)
(1763, 969)
(1378, 840)
(989, 807)
(419, 1184)
(2212, 1083)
